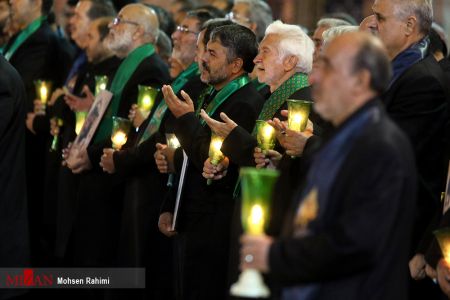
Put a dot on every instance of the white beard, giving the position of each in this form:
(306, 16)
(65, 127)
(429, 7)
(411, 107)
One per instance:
(120, 43)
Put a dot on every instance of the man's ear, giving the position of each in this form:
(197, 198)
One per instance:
(363, 79)
(290, 62)
(237, 65)
(410, 25)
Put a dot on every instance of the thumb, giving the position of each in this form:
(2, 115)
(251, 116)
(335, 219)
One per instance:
(87, 91)
(205, 116)
(187, 97)
(225, 118)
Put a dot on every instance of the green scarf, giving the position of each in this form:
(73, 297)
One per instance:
(124, 73)
(282, 93)
(223, 94)
(275, 102)
(24, 35)
(177, 85)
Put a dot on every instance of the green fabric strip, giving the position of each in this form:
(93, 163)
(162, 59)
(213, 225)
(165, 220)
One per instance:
(124, 73)
(24, 35)
(224, 93)
(177, 85)
(275, 102)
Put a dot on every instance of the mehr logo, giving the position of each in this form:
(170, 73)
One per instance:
(28, 278)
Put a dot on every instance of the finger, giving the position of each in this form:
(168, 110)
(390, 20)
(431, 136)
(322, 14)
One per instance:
(226, 119)
(187, 98)
(87, 91)
(213, 124)
(284, 113)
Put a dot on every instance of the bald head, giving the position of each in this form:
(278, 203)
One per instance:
(144, 16)
(134, 26)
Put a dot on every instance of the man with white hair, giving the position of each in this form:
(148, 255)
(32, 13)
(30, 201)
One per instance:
(132, 36)
(416, 99)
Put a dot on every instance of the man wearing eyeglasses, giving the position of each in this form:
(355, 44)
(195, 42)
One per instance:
(131, 37)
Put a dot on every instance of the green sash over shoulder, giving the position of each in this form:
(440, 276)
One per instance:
(24, 35)
(224, 93)
(282, 93)
(177, 85)
(124, 73)
(275, 102)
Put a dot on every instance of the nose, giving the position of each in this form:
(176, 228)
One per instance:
(257, 59)
(369, 24)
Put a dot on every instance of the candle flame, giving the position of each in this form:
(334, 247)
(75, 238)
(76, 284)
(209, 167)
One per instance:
(44, 93)
(119, 139)
(102, 86)
(174, 143)
(256, 220)
(268, 131)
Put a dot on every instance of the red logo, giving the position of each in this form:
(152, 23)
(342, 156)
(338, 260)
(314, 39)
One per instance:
(28, 278)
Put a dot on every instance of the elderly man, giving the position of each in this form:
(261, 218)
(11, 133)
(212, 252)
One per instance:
(357, 236)
(132, 36)
(204, 214)
(417, 97)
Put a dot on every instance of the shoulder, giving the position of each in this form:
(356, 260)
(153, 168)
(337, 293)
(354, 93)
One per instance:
(302, 94)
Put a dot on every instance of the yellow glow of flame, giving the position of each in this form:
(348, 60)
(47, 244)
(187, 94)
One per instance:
(268, 132)
(216, 145)
(102, 86)
(44, 93)
(146, 102)
(119, 139)
(255, 220)
(173, 142)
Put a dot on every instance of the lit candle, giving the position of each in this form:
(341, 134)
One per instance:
(172, 141)
(120, 129)
(298, 112)
(215, 155)
(265, 135)
(80, 117)
(443, 237)
(119, 139)
(100, 84)
(146, 99)
(214, 150)
(255, 221)
(43, 91)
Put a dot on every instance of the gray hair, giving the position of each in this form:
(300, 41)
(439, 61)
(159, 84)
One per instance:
(422, 9)
(332, 22)
(293, 41)
(333, 32)
(260, 13)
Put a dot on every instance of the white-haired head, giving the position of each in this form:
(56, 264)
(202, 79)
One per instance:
(333, 32)
(293, 41)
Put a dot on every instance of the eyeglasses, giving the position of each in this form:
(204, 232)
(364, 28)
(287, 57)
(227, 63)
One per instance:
(237, 18)
(184, 29)
(118, 20)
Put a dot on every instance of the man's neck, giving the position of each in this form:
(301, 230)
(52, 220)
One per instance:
(286, 76)
(411, 41)
(30, 18)
(219, 86)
